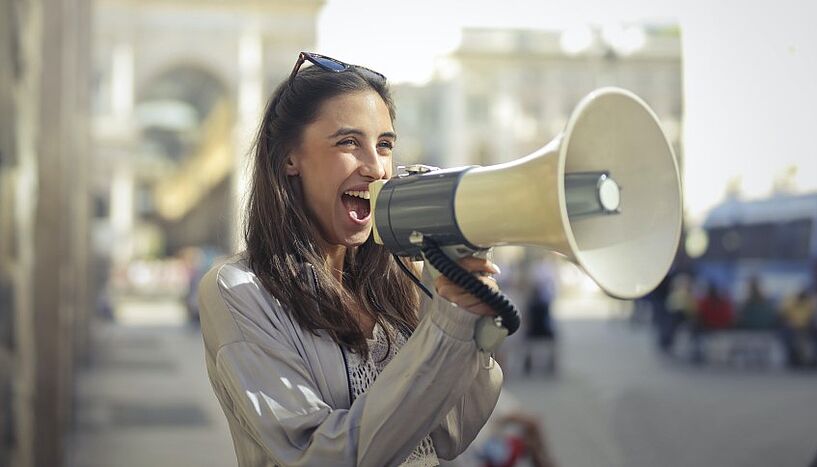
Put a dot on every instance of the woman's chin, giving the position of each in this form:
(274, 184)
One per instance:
(359, 239)
(356, 238)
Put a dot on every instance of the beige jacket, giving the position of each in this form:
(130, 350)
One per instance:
(286, 395)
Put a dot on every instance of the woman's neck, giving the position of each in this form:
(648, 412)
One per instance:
(335, 255)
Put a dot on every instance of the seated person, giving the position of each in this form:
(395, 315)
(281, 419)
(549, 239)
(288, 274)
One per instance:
(714, 313)
(757, 312)
(680, 307)
(796, 316)
(714, 310)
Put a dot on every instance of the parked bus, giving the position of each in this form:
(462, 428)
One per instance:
(773, 239)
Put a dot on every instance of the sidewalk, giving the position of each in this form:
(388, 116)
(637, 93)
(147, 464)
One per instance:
(145, 400)
(616, 402)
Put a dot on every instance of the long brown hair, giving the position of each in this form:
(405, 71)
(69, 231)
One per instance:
(281, 237)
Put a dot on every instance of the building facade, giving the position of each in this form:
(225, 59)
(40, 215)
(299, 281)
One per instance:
(106, 109)
(178, 93)
(506, 92)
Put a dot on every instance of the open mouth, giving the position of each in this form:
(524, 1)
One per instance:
(357, 204)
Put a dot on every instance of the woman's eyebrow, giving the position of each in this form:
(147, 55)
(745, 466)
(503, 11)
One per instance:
(345, 131)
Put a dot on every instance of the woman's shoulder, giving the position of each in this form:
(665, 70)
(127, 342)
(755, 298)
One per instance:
(229, 271)
(228, 280)
(233, 303)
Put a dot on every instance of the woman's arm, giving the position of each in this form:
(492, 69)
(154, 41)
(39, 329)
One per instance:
(269, 389)
(462, 424)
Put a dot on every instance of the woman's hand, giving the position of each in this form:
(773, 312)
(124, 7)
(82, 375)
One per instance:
(455, 294)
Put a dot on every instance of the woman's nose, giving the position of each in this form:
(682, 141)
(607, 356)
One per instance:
(372, 165)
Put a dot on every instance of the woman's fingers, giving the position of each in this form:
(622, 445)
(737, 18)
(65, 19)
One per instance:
(448, 289)
(455, 294)
(474, 264)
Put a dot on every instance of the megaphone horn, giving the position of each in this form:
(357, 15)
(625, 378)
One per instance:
(605, 194)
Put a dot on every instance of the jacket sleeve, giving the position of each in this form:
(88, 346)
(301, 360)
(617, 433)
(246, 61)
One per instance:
(463, 422)
(269, 390)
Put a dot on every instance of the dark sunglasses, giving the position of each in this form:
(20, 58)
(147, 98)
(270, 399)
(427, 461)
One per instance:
(328, 64)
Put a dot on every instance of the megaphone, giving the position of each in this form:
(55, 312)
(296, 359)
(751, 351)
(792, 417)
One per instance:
(605, 194)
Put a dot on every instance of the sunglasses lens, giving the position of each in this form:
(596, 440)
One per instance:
(329, 64)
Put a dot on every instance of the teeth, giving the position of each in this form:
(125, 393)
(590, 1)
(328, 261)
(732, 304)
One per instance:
(359, 194)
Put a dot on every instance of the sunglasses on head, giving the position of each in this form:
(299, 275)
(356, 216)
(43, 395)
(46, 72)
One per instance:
(328, 64)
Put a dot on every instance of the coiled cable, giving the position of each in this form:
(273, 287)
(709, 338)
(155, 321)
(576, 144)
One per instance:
(504, 308)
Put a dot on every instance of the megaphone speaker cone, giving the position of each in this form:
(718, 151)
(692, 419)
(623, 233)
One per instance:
(627, 253)
(524, 202)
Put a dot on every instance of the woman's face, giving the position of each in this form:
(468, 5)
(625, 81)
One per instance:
(348, 146)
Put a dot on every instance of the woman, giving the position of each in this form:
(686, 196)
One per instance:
(298, 326)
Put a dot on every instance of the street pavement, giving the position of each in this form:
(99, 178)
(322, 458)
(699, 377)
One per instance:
(617, 402)
(145, 400)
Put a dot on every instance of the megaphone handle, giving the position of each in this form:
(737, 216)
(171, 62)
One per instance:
(506, 311)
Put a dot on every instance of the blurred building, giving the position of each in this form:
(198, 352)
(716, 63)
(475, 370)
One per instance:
(123, 130)
(45, 297)
(506, 92)
(179, 87)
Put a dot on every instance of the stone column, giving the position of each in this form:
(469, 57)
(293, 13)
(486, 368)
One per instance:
(26, 112)
(50, 222)
(9, 71)
(250, 104)
(50, 255)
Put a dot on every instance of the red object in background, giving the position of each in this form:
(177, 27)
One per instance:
(516, 450)
(715, 312)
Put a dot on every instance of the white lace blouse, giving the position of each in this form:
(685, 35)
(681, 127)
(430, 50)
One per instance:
(362, 373)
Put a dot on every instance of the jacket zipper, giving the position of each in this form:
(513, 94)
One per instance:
(346, 366)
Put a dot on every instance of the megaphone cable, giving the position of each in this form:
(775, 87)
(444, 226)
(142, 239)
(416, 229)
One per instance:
(412, 276)
(504, 308)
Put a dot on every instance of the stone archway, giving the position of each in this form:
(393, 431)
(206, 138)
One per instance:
(173, 105)
(185, 118)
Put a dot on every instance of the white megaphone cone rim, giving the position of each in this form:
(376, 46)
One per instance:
(624, 270)
(523, 202)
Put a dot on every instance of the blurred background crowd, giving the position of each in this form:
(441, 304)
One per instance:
(124, 132)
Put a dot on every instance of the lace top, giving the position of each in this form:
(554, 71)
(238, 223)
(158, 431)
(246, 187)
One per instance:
(363, 371)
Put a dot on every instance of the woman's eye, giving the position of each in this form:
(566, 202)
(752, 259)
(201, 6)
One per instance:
(386, 145)
(348, 142)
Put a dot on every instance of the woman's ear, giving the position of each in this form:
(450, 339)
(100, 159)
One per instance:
(292, 165)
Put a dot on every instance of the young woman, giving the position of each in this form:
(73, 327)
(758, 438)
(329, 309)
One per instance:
(318, 346)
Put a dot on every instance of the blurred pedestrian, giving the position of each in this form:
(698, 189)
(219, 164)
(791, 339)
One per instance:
(757, 311)
(714, 312)
(797, 318)
(540, 331)
(192, 258)
(318, 346)
(656, 301)
(681, 307)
